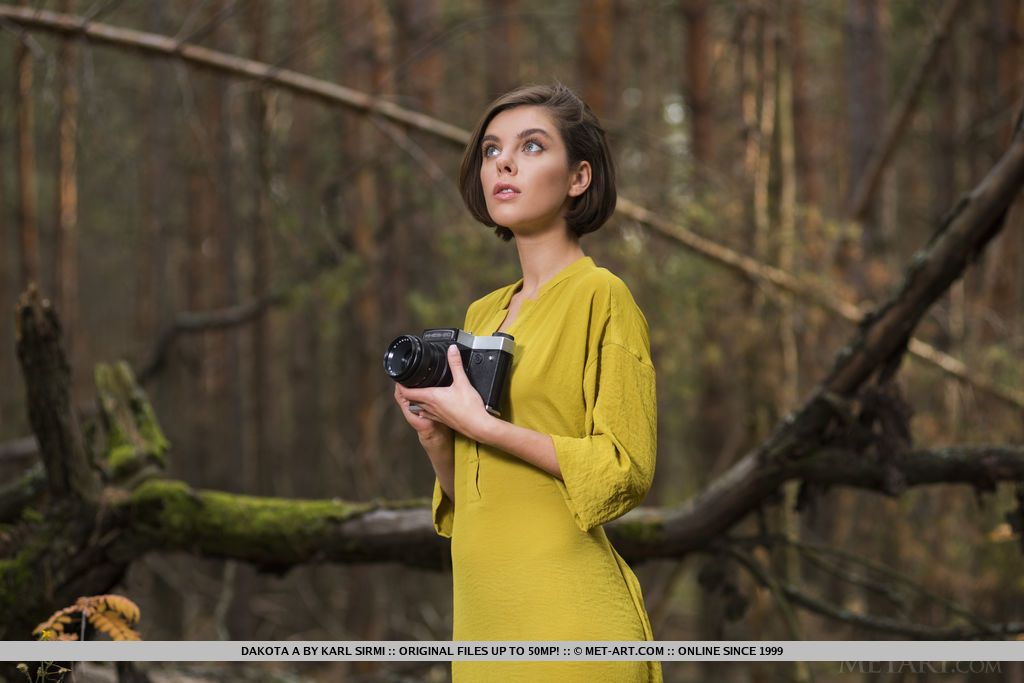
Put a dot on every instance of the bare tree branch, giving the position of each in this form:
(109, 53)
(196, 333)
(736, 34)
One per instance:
(873, 623)
(193, 322)
(152, 44)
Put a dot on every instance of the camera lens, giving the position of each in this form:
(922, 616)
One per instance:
(414, 363)
(401, 354)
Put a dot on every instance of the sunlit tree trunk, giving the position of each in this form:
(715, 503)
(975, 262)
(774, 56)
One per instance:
(594, 47)
(67, 195)
(697, 86)
(412, 249)
(368, 32)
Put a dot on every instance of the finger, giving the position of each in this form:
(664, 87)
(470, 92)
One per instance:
(417, 395)
(455, 363)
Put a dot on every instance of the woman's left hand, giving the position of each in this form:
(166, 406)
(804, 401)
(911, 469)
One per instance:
(459, 406)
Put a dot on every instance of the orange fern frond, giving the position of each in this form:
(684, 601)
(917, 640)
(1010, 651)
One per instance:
(56, 621)
(110, 614)
(113, 625)
(122, 606)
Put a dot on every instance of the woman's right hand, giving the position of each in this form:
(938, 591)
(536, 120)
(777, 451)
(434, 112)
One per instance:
(428, 430)
(436, 438)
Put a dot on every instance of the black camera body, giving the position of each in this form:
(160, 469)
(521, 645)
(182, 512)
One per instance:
(418, 362)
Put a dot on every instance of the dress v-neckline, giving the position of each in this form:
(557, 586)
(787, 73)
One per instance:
(525, 304)
(519, 314)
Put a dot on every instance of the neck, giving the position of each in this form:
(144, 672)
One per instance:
(542, 256)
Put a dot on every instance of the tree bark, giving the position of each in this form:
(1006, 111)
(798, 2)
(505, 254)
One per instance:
(697, 86)
(865, 87)
(304, 354)
(28, 218)
(594, 49)
(48, 395)
(67, 193)
(257, 473)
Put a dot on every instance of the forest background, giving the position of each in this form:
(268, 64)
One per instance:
(250, 249)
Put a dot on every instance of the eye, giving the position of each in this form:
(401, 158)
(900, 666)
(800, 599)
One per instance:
(487, 150)
(537, 146)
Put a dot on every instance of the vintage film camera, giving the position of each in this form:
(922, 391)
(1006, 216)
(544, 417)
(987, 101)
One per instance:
(417, 362)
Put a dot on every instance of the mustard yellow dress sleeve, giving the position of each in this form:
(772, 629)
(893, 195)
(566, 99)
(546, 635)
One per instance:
(609, 471)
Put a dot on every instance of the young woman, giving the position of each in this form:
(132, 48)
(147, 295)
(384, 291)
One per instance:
(523, 497)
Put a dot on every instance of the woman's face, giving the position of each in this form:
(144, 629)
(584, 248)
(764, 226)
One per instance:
(523, 153)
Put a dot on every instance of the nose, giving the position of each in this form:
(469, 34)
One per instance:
(505, 164)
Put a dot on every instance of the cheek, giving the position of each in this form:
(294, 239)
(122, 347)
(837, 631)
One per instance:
(553, 180)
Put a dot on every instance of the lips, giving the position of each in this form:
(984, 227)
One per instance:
(500, 190)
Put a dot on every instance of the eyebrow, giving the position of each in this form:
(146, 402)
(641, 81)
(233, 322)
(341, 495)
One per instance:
(523, 134)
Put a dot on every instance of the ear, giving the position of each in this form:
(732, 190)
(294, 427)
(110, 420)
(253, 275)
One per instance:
(580, 179)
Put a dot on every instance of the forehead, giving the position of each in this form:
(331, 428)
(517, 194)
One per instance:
(511, 122)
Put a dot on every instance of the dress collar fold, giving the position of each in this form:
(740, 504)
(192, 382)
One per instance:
(580, 265)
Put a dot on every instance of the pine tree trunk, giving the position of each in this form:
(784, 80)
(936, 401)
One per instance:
(866, 97)
(594, 42)
(697, 87)
(28, 218)
(66, 290)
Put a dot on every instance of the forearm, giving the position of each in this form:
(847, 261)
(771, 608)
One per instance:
(441, 451)
(533, 447)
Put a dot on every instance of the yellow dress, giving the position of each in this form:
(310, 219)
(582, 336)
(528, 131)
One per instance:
(530, 559)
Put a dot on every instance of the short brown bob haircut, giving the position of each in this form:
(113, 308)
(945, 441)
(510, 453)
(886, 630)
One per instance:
(584, 141)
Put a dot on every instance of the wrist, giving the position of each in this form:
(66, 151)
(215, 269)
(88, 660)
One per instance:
(489, 428)
(439, 436)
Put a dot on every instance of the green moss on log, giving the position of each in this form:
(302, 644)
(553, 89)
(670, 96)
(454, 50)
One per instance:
(134, 437)
(223, 524)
